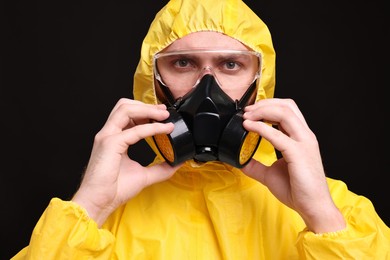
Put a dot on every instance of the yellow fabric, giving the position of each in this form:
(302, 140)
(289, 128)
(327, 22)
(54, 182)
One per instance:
(213, 211)
(217, 213)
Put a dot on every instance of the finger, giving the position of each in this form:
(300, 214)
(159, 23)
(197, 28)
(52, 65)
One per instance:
(276, 178)
(278, 102)
(255, 170)
(123, 101)
(119, 143)
(160, 172)
(129, 115)
(133, 135)
(128, 101)
(282, 113)
(277, 138)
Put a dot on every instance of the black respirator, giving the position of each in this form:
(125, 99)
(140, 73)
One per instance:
(208, 126)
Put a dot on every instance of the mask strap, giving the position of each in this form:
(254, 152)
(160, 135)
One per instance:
(167, 93)
(245, 98)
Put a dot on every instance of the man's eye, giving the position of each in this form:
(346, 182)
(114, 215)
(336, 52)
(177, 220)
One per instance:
(181, 63)
(230, 65)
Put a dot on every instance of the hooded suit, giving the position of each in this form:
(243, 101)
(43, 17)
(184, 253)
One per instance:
(212, 211)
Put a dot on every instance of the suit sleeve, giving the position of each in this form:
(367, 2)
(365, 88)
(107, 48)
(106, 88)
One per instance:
(366, 235)
(64, 231)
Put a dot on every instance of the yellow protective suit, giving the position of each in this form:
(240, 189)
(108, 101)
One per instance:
(213, 211)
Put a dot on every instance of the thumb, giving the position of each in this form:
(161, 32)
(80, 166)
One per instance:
(160, 172)
(255, 170)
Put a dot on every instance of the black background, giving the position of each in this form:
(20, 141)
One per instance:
(65, 64)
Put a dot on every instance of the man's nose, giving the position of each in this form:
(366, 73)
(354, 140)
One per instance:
(207, 70)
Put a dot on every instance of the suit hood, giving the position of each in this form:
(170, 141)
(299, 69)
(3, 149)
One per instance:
(233, 18)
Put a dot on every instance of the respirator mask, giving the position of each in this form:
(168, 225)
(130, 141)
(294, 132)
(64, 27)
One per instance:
(208, 123)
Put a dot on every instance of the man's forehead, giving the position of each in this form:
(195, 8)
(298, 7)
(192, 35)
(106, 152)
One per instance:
(206, 40)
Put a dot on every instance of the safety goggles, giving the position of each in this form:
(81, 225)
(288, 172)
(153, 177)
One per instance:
(184, 68)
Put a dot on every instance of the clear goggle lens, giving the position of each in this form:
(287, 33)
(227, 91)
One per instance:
(184, 69)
